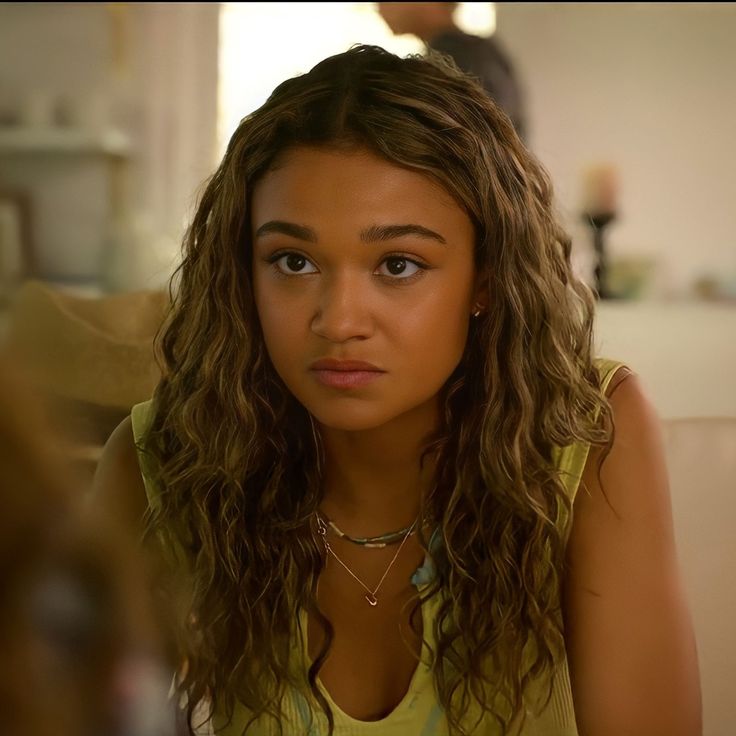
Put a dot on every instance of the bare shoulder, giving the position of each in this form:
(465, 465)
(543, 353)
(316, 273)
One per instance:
(624, 493)
(118, 487)
(633, 411)
(629, 636)
(632, 476)
(624, 490)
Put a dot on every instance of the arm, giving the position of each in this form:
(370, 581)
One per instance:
(117, 489)
(630, 641)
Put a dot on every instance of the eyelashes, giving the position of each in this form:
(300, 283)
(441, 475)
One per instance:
(398, 267)
(395, 267)
(294, 262)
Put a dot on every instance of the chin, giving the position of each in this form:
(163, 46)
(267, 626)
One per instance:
(346, 418)
(369, 410)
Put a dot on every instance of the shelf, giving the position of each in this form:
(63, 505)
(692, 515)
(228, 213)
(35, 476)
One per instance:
(680, 349)
(63, 141)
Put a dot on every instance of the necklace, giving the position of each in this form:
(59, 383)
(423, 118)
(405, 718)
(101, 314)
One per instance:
(377, 542)
(371, 594)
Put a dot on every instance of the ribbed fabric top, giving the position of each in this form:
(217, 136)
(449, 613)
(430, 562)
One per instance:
(419, 711)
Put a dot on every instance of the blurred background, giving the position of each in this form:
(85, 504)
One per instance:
(112, 115)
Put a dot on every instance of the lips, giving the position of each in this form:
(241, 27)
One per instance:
(345, 374)
(343, 366)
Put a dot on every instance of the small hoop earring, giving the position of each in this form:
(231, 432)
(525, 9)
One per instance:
(477, 311)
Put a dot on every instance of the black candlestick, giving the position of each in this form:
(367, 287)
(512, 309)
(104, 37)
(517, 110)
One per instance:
(598, 223)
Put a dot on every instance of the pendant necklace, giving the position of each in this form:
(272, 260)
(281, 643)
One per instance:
(370, 595)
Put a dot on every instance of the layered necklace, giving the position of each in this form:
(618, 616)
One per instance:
(378, 542)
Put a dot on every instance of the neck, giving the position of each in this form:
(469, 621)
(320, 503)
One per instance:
(373, 483)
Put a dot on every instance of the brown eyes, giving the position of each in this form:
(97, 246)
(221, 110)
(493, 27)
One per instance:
(397, 268)
(295, 262)
(291, 264)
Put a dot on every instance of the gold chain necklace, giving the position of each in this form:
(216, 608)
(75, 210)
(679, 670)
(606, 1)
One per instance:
(371, 594)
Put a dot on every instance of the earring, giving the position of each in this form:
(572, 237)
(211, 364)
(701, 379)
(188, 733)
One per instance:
(478, 310)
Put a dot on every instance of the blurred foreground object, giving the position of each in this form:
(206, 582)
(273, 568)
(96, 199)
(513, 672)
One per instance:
(17, 258)
(91, 359)
(78, 637)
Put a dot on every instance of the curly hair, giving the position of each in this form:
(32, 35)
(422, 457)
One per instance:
(234, 459)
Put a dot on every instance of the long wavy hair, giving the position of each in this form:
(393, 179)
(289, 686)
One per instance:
(233, 454)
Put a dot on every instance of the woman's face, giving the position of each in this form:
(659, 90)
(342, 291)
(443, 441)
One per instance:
(357, 259)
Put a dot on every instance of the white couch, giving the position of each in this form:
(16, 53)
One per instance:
(701, 456)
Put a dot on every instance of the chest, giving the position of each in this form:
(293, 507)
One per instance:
(375, 649)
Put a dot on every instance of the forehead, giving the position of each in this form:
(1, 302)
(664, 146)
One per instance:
(352, 187)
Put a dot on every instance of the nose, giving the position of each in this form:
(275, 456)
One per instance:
(343, 311)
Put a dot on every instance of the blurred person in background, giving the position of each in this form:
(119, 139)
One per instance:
(79, 640)
(483, 58)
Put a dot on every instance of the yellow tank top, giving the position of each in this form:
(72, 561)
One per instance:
(419, 711)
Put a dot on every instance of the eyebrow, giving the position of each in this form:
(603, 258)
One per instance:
(378, 233)
(372, 234)
(300, 232)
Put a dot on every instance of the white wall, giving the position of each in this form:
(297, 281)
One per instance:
(62, 52)
(63, 48)
(174, 65)
(153, 66)
(652, 89)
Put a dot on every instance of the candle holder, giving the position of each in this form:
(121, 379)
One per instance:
(598, 223)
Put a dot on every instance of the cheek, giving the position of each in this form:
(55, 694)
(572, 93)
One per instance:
(438, 334)
(447, 339)
(277, 324)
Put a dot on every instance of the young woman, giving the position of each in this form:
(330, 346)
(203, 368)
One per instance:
(382, 451)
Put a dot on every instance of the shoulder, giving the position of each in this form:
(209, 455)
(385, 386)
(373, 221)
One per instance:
(471, 48)
(610, 373)
(636, 450)
(118, 488)
(630, 476)
(632, 394)
(574, 459)
(462, 47)
(627, 624)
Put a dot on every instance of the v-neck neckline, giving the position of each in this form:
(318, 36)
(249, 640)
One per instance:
(422, 672)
